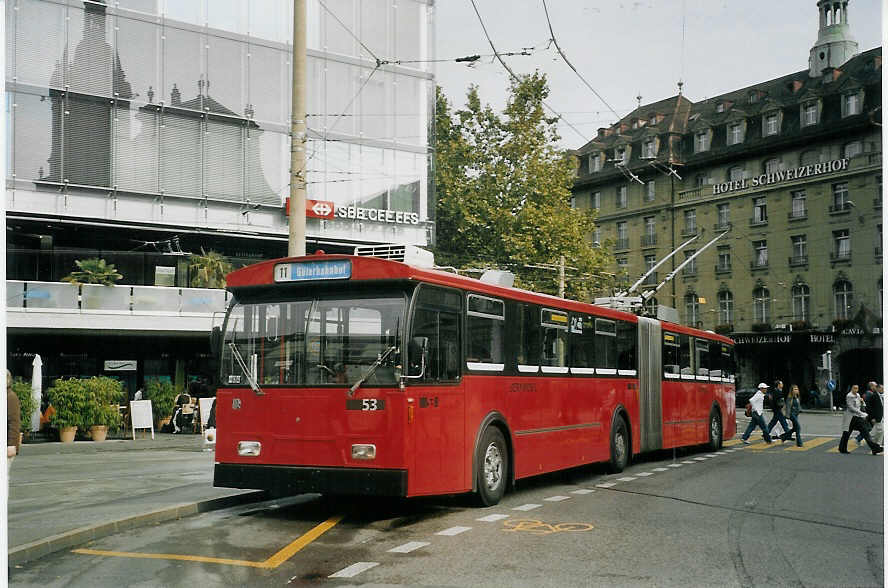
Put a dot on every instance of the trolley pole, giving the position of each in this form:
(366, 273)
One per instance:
(296, 240)
(561, 278)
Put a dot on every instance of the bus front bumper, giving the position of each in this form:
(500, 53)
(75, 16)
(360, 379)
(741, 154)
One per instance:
(281, 480)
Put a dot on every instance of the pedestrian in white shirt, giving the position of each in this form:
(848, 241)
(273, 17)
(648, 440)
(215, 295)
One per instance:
(855, 418)
(758, 408)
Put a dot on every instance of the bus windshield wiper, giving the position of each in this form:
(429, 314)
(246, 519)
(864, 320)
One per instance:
(371, 370)
(243, 366)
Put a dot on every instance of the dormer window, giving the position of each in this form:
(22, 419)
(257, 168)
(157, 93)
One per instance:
(851, 104)
(735, 133)
(649, 149)
(753, 97)
(634, 123)
(720, 107)
(810, 114)
(701, 141)
(771, 124)
(653, 119)
(621, 155)
(594, 162)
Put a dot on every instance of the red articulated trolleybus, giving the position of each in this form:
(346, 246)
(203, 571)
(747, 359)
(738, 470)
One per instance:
(358, 375)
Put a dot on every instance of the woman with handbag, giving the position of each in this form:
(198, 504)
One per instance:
(795, 407)
(756, 408)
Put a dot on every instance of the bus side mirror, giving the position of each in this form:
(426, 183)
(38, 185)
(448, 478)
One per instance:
(417, 354)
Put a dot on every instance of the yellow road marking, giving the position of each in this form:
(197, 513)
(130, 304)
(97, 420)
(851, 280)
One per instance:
(812, 443)
(761, 446)
(270, 563)
(852, 446)
(731, 442)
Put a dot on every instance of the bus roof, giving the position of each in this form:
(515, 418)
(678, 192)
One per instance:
(375, 269)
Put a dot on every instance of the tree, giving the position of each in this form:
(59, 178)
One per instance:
(208, 270)
(503, 190)
(93, 271)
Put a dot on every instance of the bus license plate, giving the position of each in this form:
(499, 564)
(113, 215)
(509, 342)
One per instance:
(365, 404)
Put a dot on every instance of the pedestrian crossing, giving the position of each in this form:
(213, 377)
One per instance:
(809, 444)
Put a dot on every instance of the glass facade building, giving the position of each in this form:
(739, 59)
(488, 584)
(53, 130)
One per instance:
(177, 113)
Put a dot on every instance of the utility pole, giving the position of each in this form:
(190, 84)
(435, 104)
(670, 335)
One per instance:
(296, 240)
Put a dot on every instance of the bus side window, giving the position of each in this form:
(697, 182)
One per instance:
(554, 341)
(627, 344)
(684, 342)
(485, 323)
(582, 344)
(701, 348)
(529, 345)
(605, 347)
(437, 317)
(671, 355)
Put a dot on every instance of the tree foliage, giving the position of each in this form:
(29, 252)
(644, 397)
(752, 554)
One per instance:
(208, 270)
(93, 271)
(503, 189)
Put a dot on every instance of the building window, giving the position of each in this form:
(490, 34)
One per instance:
(701, 180)
(595, 200)
(799, 250)
(736, 173)
(622, 263)
(720, 107)
(772, 166)
(594, 162)
(851, 104)
(622, 235)
(842, 244)
(759, 210)
(801, 302)
(596, 237)
(852, 149)
(843, 295)
(771, 126)
(649, 149)
(725, 307)
(650, 191)
(735, 134)
(761, 305)
(724, 259)
(653, 119)
(622, 197)
(701, 142)
(692, 309)
(573, 202)
(690, 222)
(691, 268)
(799, 206)
(810, 157)
(809, 114)
(723, 215)
(621, 155)
(650, 232)
(649, 262)
(760, 256)
(840, 197)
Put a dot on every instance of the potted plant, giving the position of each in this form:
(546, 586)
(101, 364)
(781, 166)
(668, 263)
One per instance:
(22, 389)
(162, 395)
(761, 327)
(105, 394)
(71, 402)
(93, 271)
(208, 270)
(724, 329)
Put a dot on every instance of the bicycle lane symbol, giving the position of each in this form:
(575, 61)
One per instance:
(540, 528)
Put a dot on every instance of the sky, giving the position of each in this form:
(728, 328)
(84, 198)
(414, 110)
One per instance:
(626, 48)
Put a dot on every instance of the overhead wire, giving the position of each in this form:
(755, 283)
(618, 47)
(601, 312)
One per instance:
(571, 66)
(515, 77)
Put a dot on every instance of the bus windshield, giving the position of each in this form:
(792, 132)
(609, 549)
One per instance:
(326, 340)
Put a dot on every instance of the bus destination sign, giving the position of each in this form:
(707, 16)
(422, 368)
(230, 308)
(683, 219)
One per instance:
(339, 269)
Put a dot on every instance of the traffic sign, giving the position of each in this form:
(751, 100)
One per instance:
(320, 209)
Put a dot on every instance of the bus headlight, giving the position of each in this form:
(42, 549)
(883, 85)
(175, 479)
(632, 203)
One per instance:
(364, 451)
(249, 448)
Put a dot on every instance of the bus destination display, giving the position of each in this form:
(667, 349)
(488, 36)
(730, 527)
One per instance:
(312, 270)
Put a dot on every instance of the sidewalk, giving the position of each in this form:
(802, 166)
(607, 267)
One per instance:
(66, 494)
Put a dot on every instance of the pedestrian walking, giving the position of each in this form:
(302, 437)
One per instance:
(757, 401)
(855, 419)
(777, 402)
(795, 407)
(872, 404)
(13, 424)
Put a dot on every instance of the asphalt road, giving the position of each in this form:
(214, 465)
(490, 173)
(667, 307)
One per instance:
(754, 516)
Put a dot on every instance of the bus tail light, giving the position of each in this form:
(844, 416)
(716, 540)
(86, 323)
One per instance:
(249, 448)
(364, 451)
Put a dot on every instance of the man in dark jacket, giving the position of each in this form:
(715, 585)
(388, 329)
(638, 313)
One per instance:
(778, 400)
(874, 411)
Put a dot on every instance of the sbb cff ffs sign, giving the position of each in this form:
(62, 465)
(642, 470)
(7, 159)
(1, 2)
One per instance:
(328, 210)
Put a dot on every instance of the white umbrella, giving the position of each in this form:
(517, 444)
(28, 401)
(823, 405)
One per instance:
(36, 391)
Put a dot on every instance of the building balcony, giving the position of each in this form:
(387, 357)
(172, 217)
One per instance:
(723, 268)
(621, 244)
(842, 208)
(758, 222)
(53, 306)
(648, 240)
(758, 264)
(688, 231)
(839, 256)
(692, 194)
(795, 215)
(798, 260)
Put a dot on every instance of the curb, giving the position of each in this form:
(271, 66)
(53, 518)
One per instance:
(36, 549)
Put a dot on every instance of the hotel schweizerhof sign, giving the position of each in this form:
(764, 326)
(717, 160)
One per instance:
(795, 173)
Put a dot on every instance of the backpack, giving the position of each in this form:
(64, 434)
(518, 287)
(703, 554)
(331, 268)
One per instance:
(749, 409)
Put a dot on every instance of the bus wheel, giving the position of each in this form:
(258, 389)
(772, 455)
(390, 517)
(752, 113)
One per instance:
(619, 445)
(715, 431)
(492, 467)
